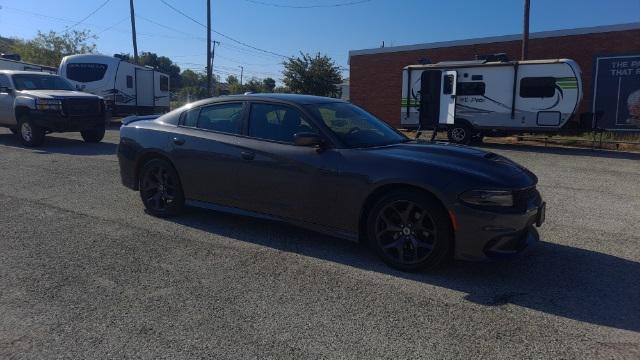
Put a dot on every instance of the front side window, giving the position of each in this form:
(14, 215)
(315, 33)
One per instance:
(86, 72)
(226, 118)
(40, 82)
(537, 87)
(355, 127)
(276, 122)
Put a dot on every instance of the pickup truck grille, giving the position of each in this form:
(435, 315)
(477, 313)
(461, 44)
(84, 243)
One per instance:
(80, 107)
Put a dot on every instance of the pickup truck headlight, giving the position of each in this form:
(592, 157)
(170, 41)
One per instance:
(499, 198)
(49, 104)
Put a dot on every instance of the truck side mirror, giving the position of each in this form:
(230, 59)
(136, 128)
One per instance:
(6, 90)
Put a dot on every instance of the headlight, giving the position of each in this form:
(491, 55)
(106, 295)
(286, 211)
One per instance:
(488, 198)
(48, 104)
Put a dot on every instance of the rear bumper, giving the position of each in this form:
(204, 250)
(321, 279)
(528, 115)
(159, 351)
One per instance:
(57, 122)
(484, 235)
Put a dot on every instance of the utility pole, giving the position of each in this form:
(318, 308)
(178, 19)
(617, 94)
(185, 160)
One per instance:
(241, 72)
(213, 57)
(525, 32)
(209, 58)
(133, 32)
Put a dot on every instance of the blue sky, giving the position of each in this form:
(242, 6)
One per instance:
(329, 30)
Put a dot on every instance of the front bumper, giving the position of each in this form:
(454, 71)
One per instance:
(57, 122)
(484, 235)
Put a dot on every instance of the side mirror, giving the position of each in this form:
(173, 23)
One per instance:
(307, 139)
(6, 90)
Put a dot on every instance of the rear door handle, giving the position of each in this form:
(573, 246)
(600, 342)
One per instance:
(178, 141)
(248, 155)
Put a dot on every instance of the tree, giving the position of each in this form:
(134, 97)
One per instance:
(268, 85)
(49, 48)
(312, 75)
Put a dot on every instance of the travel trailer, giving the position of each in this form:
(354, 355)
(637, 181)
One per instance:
(130, 88)
(472, 99)
(12, 62)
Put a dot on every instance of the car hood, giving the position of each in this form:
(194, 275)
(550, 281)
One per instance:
(57, 94)
(493, 169)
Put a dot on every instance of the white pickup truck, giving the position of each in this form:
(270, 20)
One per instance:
(33, 104)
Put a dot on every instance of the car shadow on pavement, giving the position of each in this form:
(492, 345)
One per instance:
(58, 145)
(555, 279)
(609, 154)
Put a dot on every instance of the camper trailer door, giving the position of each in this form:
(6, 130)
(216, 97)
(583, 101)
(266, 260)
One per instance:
(145, 88)
(448, 98)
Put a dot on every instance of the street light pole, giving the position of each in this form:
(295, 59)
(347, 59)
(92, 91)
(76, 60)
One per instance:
(525, 32)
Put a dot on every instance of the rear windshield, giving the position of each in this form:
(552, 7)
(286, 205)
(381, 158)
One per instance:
(40, 82)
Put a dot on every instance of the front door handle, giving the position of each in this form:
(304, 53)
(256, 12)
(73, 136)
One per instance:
(248, 155)
(178, 141)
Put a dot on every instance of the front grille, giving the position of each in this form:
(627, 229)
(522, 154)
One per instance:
(81, 107)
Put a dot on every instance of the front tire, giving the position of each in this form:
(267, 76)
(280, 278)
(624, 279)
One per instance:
(160, 189)
(29, 134)
(93, 135)
(410, 231)
(460, 133)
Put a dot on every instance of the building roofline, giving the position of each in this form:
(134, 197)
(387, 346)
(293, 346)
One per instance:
(494, 39)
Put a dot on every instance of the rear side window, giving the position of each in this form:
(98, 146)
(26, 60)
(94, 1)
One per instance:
(537, 87)
(4, 81)
(190, 118)
(86, 72)
(470, 88)
(164, 83)
(226, 118)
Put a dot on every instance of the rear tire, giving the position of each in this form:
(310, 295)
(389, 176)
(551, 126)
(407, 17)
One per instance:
(29, 134)
(160, 189)
(410, 231)
(460, 133)
(93, 135)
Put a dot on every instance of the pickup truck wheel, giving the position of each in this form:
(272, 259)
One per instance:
(460, 134)
(29, 134)
(93, 135)
(160, 189)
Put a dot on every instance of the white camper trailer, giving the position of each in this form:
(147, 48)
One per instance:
(13, 63)
(131, 89)
(471, 99)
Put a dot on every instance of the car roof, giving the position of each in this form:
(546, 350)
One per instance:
(293, 98)
(14, 72)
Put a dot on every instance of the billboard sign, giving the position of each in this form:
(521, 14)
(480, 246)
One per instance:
(616, 92)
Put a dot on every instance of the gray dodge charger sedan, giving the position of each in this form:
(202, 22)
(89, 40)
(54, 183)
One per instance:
(328, 165)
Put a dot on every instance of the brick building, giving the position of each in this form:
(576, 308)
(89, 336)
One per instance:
(376, 74)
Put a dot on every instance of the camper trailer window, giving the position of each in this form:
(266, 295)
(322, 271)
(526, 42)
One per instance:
(129, 82)
(86, 72)
(164, 83)
(537, 87)
(447, 86)
(470, 88)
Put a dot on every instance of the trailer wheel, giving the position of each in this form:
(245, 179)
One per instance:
(460, 133)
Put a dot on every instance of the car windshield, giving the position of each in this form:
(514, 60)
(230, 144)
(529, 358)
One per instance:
(40, 82)
(355, 127)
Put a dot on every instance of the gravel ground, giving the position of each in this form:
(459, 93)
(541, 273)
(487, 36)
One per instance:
(85, 273)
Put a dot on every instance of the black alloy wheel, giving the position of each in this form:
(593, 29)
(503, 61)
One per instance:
(160, 189)
(409, 231)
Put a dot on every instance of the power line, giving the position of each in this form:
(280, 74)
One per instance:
(88, 16)
(350, 3)
(221, 34)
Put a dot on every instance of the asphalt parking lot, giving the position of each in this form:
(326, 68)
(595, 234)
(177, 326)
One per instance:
(85, 273)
